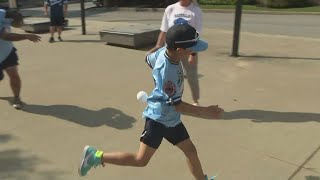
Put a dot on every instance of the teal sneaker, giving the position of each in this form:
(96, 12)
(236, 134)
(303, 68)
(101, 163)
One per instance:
(90, 158)
(212, 178)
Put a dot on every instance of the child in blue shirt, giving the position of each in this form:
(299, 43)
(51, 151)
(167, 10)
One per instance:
(8, 56)
(164, 109)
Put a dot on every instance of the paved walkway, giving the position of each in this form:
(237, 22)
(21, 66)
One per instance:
(82, 91)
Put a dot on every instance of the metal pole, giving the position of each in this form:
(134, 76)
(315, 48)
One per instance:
(83, 21)
(236, 31)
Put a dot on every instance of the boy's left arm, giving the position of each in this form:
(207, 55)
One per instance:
(210, 112)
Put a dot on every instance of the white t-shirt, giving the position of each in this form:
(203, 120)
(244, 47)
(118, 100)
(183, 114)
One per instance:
(175, 12)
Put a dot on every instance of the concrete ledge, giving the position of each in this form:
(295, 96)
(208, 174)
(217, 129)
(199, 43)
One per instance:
(132, 35)
(38, 25)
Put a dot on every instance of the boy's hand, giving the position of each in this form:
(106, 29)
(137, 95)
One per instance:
(213, 112)
(46, 13)
(33, 37)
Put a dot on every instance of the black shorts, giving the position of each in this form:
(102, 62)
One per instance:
(56, 21)
(154, 132)
(11, 60)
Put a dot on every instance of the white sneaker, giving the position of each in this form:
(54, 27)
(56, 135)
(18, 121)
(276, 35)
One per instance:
(17, 103)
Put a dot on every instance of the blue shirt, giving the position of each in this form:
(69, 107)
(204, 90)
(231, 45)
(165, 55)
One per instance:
(168, 78)
(56, 7)
(5, 46)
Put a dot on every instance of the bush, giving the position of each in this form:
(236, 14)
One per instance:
(286, 3)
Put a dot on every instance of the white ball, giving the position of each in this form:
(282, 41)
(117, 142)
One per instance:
(142, 96)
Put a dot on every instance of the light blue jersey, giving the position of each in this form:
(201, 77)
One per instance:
(168, 78)
(5, 46)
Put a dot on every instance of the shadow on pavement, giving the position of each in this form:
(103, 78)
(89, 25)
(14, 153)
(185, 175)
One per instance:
(107, 116)
(5, 138)
(86, 117)
(17, 164)
(83, 41)
(272, 116)
(278, 57)
(312, 177)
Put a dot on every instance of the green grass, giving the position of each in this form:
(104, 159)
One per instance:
(257, 8)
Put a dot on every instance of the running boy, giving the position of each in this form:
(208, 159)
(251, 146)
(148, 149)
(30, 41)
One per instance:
(164, 108)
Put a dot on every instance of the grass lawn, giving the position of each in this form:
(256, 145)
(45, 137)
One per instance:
(256, 8)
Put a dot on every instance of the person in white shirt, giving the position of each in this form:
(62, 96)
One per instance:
(184, 11)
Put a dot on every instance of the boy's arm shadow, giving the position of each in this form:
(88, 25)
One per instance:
(86, 117)
(271, 116)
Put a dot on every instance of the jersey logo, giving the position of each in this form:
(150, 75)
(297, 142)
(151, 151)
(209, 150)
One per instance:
(180, 21)
(180, 75)
(169, 88)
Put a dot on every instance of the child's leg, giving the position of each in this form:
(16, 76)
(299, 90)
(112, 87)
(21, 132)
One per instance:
(92, 157)
(192, 158)
(15, 81)
(150, 141)
(139, 159)
(191, 70)
(52, 30)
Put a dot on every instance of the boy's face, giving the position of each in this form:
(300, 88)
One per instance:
(184, 53)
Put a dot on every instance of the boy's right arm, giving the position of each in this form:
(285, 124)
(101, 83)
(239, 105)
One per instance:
(210, 112)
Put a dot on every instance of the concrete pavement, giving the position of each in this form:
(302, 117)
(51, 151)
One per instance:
(299, 25)
(82, 91)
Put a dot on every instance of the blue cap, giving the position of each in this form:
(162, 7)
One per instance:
(185, 36)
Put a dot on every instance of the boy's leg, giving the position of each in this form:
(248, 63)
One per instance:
(191, 70)
(10, 65)
(92, 158)
(60, 24)
(59, 29)
(53, 23)
(150, 141)
(139, 159)
(15, 81)
(52, 30)
(193, 161)
(179, 137)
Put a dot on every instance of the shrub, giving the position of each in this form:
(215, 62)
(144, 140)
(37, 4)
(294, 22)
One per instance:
(286, 3)
(225, 2)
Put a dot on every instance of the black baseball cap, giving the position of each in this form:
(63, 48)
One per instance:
(185, 36)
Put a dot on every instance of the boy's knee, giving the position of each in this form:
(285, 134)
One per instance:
(191, 150)
(14, 77)
(142, 162)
